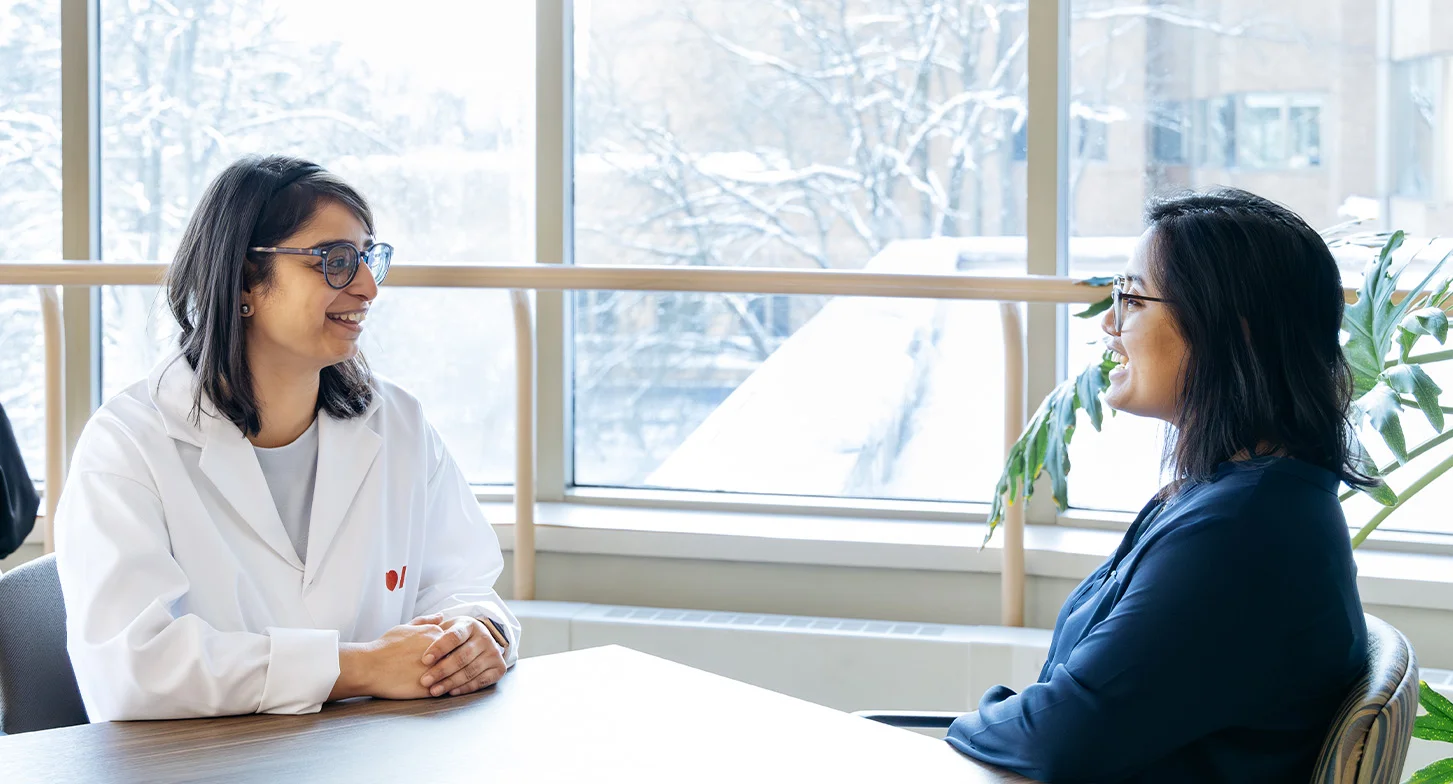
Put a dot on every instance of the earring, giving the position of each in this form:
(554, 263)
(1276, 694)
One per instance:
(246, 309)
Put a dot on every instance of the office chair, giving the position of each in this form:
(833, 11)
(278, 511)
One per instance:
(37, 686)
(1367, 743)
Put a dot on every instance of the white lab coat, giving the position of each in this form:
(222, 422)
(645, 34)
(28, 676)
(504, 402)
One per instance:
(185, 597)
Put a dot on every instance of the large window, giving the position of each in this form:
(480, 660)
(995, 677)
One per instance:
(30, 202)
(795, 134)
(433, 122)
(876, 135)
(1419, 124)
(1223, 94)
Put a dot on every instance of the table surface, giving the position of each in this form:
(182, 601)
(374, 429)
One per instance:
(604, 714)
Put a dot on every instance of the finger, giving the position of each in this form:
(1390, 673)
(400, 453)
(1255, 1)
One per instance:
(425, 620)
(473, 670)
(485, 680)
(450, 640)
(457, 660)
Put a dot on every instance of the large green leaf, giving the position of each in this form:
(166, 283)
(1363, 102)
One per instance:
(1440, 772)
(1442, 293)
(1431, 727)
(1427, 321)
(1365, 320)
(1433, 702)
(1096, 309)
(1380, 492)
(1383, 407)
(1044, 444)
(1413, 380)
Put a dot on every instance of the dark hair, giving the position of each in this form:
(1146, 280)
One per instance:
(256, 201)
(1258, 299)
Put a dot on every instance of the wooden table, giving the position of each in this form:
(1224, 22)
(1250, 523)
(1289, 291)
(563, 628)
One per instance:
(600, 715)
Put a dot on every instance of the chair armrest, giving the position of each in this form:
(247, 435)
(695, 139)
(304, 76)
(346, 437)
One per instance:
(923, 720)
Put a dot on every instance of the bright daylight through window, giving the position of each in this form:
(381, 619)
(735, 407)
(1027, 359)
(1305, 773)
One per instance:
(796, 134)
(1280, 99)
(879, 135)
(30, 203)
(433, 123)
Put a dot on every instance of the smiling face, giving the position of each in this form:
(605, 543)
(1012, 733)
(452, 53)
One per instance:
(1149, 346)
(300, 322)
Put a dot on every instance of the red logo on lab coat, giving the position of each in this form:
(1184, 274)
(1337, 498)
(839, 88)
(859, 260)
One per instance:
(394, 580)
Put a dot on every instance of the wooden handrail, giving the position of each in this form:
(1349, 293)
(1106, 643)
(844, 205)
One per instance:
(553, 277)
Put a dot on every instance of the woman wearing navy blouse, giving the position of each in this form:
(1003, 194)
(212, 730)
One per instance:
(1218, 641)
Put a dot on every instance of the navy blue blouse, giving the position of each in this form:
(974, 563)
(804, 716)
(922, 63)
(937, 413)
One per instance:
(1215, 645)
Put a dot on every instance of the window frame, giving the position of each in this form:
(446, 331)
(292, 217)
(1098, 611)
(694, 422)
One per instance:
(1047, 231)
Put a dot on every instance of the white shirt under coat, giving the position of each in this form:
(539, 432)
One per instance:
(290, 472)
(185, 596)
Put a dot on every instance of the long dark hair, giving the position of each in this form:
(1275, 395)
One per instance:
(1258, 299)
(260, 202)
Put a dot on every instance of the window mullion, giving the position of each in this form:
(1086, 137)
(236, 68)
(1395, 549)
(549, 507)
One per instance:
(553, 226)
(1047, 222)
(80, 208)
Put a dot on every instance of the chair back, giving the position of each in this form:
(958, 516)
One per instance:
(1368, 743)
(37, 686)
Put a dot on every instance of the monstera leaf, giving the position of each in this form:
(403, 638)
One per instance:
(1044, 445)
(1436, 725)
(1375, 320)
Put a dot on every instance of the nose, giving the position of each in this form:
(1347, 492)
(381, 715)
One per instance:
(1107, 322)
(363, 286)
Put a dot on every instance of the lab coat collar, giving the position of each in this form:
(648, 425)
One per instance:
(346, 451)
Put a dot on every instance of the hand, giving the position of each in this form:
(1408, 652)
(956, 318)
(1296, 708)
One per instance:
(389, 667)
(464, 659)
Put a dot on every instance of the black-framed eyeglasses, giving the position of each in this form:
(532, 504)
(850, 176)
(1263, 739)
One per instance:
(1119, 293)
(340, 260)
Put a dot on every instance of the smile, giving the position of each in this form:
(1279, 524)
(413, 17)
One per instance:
(356, 317)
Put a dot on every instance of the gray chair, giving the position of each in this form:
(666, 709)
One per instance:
(1368, 741)
(37, 686)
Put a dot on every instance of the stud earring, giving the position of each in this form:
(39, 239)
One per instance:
(246, 309)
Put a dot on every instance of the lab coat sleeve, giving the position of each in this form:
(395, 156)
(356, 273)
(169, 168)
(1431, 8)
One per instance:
(134, 656)
(462, 559)
(1176, 659)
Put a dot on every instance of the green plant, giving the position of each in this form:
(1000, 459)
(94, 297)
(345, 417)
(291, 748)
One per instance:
(1437, 725)
(1382, 330)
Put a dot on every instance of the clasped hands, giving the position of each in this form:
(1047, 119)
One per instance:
(430, 656)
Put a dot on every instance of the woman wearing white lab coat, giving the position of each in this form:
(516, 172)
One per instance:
(262, 525)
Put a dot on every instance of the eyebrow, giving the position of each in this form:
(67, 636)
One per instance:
(325, 243)
(1134, 280)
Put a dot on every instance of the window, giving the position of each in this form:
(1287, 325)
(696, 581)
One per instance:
(1214, 133)
(30, 203)
(1088, 139)
(1279, 131)
(1257, 109)
(432, 122)
(788, 135)
(892, 136)
(1168, 132)
(1417, 103)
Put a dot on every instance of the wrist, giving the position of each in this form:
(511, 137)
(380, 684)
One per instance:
(354, 666)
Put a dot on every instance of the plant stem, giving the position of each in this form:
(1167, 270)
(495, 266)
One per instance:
(1436, 356)
(1413, 489)
(1410, 403)
(1421, 449)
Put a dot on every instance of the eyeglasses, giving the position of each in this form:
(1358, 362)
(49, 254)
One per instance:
(1119, 294)
(340, 260)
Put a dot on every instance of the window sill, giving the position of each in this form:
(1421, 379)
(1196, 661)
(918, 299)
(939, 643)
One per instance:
(1386, 577)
